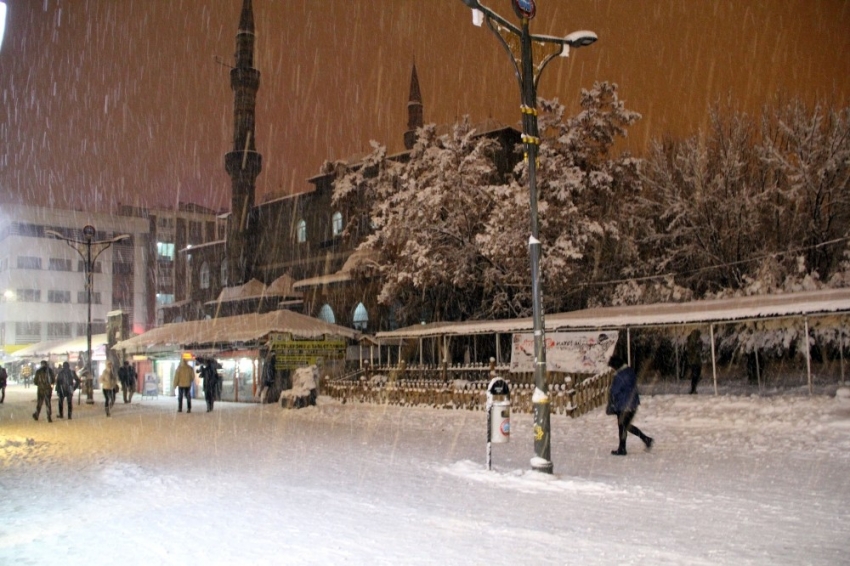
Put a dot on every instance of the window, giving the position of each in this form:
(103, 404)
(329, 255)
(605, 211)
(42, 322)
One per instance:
(27, 332)
(29, 295)
(165, 251)
(336, 223)
(164, 298)
(326, 313)
(29, 262)
(58, 296)
(122, 268)
(95, 297)
(361, 317)
(58, 264)
(196, 232)
(205, 275)
(224, 272)
(96, 268)
(58, 329)
(302, 231)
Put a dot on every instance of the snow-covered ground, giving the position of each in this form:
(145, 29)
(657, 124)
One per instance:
(731, 480)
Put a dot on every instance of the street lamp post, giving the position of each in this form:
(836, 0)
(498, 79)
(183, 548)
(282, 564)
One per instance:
(518, 41)
(79, 246)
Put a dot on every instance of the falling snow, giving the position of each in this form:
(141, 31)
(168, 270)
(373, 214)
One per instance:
(731, 480)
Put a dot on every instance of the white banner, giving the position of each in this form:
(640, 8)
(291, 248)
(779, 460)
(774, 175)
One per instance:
(567, 352)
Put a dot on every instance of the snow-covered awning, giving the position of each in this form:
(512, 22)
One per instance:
(661, 314)
(281, 287)
(57, 347)
(232, 331)
(356, 258)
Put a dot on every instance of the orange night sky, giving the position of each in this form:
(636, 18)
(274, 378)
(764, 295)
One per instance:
(107, 101)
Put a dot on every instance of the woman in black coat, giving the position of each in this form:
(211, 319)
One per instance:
(623, 401)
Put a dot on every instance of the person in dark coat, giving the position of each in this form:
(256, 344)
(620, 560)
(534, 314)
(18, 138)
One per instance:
(44, 380)
(127, 377)
(211, 379)
(623, 401)
(694, 358)
(269, 374)
(66, 383)
(3, 378)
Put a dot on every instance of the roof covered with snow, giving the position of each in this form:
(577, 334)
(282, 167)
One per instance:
(225, 331)
(78, 344)
(662, 314)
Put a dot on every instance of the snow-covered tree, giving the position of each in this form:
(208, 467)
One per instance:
(451, 231)
(748, 210)
(425, 215)
(584, 199)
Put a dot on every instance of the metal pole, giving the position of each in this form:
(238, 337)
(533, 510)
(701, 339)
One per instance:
(525, 71)
(540, 400)
(89, 376)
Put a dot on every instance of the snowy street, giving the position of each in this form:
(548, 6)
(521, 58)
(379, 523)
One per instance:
(730, 480)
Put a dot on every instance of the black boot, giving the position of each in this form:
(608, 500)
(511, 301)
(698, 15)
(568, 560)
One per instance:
(648, 441)
(621, 449)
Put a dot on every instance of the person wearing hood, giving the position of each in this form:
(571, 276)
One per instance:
(623, 401)
(183, 379)
(44, 380)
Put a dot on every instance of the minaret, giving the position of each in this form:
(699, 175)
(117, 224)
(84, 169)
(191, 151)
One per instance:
(414, 111)
(243, 164)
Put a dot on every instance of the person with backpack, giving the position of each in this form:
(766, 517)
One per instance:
(66, 383)
(623, 401)
(44, 380)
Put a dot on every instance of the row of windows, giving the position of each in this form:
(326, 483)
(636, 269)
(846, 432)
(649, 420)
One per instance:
(336, 227)
(53, 296)
(58, 329)
(55, 264)
(37, 231)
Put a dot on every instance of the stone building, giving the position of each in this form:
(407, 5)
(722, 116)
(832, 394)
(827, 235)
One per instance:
(287, 252)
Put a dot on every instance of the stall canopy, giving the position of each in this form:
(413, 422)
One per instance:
(232, 332)
(808, 303)
(60, 347)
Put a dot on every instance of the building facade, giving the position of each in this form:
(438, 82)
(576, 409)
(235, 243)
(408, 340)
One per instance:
(298, 237)
(43, 280)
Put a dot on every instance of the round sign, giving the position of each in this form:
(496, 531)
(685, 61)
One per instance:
(88, 231)
(505, 427)
(525, 8)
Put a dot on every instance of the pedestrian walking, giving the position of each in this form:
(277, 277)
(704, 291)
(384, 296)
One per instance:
(109, 384)
(183, 379)
(623, 401)
(66, 383)
(211, 379)
(3, 378)
(694, 358)
(44, 380)
(269, 374)
(127, 377)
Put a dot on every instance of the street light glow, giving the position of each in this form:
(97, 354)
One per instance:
(2, 22)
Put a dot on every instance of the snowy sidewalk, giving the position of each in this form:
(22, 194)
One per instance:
(731, 480)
